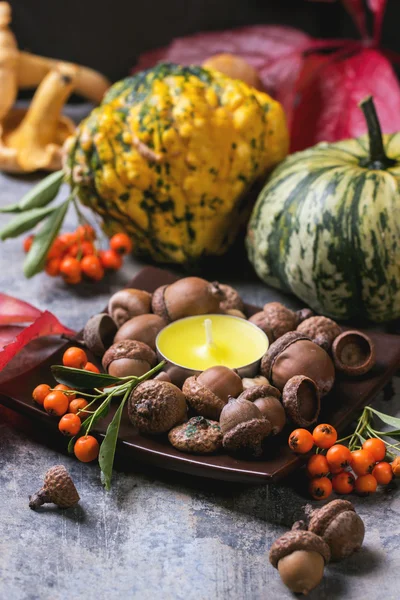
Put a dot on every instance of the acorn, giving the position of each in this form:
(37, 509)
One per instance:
(267, 400)
(353, 353)
(339, 526)
(320, 330)
(197, 436)
(261, 321)
(295, 354)
(252, 381)
(99, 333)
(301, 400)
(234, 312)
(129, 357)
(208, 392)
(185, 298)
(300, 557)
(156, 406)
(58, 488)
(143, 328)
(280, 318)
(128, 303)
(243, 427)
(231, 299)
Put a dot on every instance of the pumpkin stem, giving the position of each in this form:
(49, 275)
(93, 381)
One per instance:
(378, 158)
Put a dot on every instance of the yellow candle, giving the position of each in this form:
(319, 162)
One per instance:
(205, 341)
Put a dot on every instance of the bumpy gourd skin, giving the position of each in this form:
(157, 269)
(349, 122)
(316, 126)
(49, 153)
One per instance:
(169, 155)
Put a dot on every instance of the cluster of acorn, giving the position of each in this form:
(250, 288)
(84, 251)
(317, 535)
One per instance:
(297, 370)
(74, 255)
(333, 532)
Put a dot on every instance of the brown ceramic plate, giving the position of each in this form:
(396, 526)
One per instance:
(339, 408)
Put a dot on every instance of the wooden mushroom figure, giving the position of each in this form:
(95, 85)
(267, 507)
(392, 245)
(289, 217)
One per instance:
(32, 139)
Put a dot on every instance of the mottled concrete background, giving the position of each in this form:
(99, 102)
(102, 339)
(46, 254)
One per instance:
(157, 535)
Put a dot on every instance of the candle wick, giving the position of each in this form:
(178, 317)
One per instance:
(208, 328)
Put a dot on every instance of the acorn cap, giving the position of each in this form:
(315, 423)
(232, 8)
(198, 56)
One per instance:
(340, 526)
(202, 399)
(301, 400)
(231, 299)
(320, 330)
(280, 318)
(129, 349)
(197, 436)
(298, 540)
(247, 436)
(353, 353)
(99, 332)
(58, 488)
(276, 348)
(156, 406)
(322, 517)
(260, 391)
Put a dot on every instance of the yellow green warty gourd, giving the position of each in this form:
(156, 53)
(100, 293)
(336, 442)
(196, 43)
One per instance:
(169, 156)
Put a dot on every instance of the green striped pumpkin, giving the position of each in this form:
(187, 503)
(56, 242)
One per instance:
(326, 226)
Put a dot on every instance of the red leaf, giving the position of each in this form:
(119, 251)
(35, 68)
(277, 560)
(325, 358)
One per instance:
(13, 310)
(45, 324)
(276, 52)
(328, 107)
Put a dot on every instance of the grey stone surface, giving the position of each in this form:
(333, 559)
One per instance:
(157, 535)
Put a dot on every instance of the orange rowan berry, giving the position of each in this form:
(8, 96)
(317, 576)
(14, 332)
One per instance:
(64, 388)
(85, 232)
(320, 488)
(110, 259)
(28, 241)
(91, 367)
(70, 269)
(338, 457)
(317, 466)
(301, 441)
(73, 250)
(56, 250)
(366, 484)
(362, 462)
(376, 448)
(121, 243)
(396, 466)
(324, 436)
(52, 267)
(56, 403)
(92, 267)
(77, 407)
(383, 473)
(86, 448)
(74, 357)
(67, 238)
(40, 392)
(343, 483)
(69, 424)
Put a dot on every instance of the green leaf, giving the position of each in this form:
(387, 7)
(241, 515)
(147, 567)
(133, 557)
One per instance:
(36, 258)
(40, 195)
(386, 418)
(25, 221)
(78, 379)
(109, 444)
